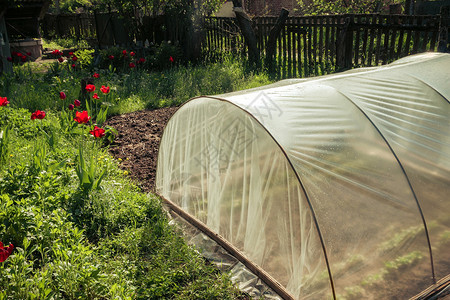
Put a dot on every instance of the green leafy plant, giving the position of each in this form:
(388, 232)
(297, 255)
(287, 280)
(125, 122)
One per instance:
(87, 174)
(85, 57)
(82, 229)
(4, 140)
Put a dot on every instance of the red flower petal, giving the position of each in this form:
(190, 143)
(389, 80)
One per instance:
(4, 101)
(82, 117)
(90, 88)
(97, 132)
(38, 114)
(5, 252)
(104, 89)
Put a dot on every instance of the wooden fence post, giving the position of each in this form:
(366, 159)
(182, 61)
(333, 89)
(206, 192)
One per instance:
(344, 43)
(409, 7)
(443, 29)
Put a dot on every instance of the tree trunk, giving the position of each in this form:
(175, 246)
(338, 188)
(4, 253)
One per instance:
(245, 24)
(272, 42)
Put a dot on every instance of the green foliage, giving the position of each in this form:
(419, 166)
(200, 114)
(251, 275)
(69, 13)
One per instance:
(70, 6)
(445, 237)
(4, 141)
(89, 243)
(65, 43)
(324, 7)
(87, 174)
(80, 227)
(403, 261)
(391, 268)
(401, 238)
(85, 57)
(160, 56)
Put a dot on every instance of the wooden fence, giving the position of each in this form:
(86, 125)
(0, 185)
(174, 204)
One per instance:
(69, 26)
(318, 45)
(306, 46)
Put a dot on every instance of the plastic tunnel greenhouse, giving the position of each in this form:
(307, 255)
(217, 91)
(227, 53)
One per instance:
(333, 187)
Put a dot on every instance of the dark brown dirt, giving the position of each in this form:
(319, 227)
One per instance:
(138, 142)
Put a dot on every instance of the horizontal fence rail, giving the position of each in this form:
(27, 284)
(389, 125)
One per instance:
(306, 46)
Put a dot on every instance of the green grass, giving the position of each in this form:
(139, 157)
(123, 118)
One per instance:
(94, 236)
(133, 90)
(107, 242)
(59, 43)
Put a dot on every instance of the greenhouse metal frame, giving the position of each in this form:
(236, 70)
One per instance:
(328, 187)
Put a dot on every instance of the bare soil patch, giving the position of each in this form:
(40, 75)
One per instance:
(138, 142)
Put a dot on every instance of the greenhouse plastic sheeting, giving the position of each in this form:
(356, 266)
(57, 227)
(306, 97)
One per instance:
(337, 186)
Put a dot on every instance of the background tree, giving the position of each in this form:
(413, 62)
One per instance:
(323, 7)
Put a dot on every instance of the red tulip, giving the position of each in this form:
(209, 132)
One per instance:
(23, 59)
(38, 114)
(5, 252)
(90, 88)
(111, 57)
(132, 53)
(9, 58)
(124, 52)
(141, 60)
(60, 59)
(29, 53)
(104, 89)
(70, 53)
(4, 101)
(82, 117)
(19, 54)
(71, 107)
(73, 66)
(96, 75)
(56, 52)
(171, 59)
(62, 95)
(95, 96)
(76, 102)
(97, 132)
(132, 65)
(74, 58)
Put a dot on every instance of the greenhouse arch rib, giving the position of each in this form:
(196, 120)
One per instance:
(296, 175)
(432, 88)
(406, 177)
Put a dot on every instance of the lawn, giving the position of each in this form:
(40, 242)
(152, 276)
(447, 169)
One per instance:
(81, 228)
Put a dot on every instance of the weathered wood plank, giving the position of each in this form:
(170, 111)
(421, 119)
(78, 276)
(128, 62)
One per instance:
(365, 38)
(320, 21)
(417, 38)
(409, 21)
